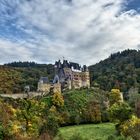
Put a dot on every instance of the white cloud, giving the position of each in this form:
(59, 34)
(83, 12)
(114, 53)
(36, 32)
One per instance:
(84, 31)
(10, 51)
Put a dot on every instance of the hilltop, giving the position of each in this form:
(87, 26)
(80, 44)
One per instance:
(15, 76)
(120, 70)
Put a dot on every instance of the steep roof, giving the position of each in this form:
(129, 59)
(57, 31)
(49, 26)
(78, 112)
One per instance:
(45, 80)
(75, 65)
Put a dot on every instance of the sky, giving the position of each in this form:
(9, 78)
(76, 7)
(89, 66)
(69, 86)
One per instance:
(82, 31)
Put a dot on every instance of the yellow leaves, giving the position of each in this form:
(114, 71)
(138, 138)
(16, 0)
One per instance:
(53, 109)
(115, 96)
(29, 124)
(42, 105)
(13, 110)
(131, 127)
(8, 79)
(58, 99)
(117, 91)
(24, 120)
(15, 128)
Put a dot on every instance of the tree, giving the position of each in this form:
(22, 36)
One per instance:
(93, 112)
(28, 119)
(58, 100)
(131, 128)
(123, 67)
(134, 100)
(120, 112)
(31, 116)
(115, 96)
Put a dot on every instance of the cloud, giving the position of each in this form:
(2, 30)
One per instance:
(13, 51)
(85, 31)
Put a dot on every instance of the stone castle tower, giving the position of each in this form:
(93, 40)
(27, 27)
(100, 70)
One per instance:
(72, 75)
(68, 75)
(47, 87)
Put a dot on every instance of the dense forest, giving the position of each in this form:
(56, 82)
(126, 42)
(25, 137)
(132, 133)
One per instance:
(15, 76)
(121, 70)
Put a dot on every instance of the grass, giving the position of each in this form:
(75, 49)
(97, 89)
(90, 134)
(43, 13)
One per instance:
(90, 131)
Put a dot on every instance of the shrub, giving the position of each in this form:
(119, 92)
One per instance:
(93, 112)
(58, 99)
(120, 112)
(131, 128)
(115, 96)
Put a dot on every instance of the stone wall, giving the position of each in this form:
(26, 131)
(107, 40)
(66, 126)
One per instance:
(44, 87)
(57, 88)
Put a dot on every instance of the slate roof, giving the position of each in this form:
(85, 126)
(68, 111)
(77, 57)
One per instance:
(44, 79)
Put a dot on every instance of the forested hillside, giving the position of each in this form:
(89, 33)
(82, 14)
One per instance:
(121, 70)
(15, 76)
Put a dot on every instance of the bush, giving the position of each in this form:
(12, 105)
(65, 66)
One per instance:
(131, 128)
(58, 100)
(93, 112)
(115, 96)
(120, 112)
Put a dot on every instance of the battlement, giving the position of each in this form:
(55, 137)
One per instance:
(73, 66)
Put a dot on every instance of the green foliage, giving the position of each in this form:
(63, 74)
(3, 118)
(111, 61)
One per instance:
(75, 102)
(134, 100)
(1, 132)
(15, 76)
(8, 80)
(58, 100)
(29, 118)
(131, 128)
(52, 121)
(120, 112)
(134, 97)
(80, 106)
(121, 70)
(115, 96)
(93, 112)
(87, 132)
(84, 106)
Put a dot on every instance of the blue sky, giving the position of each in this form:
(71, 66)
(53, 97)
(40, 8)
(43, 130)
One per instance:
(84, 31)
(133, 4)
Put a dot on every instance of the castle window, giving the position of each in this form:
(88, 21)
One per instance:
(75, 78)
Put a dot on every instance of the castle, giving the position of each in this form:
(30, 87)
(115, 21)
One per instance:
(68, 75)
